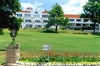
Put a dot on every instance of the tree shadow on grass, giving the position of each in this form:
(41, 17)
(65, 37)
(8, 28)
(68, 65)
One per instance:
(49, 31)
(96, 34)
(1, 32)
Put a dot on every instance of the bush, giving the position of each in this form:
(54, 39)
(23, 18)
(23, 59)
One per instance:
(49, 31)
(73, 32)
(62, 59)
(1, 31)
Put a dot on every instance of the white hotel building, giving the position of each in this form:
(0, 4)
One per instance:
(33, 18)
(36, 19)
(81, 23)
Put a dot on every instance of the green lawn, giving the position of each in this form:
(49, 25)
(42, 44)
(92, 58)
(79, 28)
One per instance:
(32, 41)
(2, 57)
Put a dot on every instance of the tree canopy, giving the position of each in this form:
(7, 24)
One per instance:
(8, 9)
(56, 17)
(92, 11)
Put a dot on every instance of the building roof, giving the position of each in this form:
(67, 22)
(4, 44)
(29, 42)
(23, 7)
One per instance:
(72, 15)
(45, 11)
(25, 11)
(29, 8)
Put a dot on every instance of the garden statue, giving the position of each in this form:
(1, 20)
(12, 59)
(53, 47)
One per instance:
(13, 51)
(13, 34)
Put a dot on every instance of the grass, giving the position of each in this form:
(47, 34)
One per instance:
(2, 57)
(31, 41)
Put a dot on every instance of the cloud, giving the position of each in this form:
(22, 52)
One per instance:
(69, 6)
(74, 6)
(35, 5)
(26, 5)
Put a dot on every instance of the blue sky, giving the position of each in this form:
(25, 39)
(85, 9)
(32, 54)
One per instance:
(46, 3)
(69, 6)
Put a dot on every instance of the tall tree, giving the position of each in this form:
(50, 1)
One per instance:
(56, 17)
(92, 11)
(8, 9)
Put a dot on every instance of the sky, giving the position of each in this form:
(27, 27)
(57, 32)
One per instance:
(68, 6)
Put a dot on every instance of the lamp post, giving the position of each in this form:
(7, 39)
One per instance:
(13, 34)
(46, 48)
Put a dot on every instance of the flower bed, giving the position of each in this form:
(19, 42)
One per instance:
(72, 59)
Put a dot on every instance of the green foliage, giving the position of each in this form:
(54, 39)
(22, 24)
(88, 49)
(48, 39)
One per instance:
(8, 9)
(65, 23)
(75, 59)
(56, 17)
(16, 23)
(92, 11)
(1, 31)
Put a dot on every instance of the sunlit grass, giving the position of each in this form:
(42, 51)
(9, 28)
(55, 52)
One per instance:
(31, 41)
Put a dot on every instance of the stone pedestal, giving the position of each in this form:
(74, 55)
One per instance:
(12, 55)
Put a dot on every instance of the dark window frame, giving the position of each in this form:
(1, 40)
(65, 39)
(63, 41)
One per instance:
(45, 16)
(19, 15)
(72, 20)
(37, 21)
(78, 24)
(28, 20)
(78, 20)
(86, 20)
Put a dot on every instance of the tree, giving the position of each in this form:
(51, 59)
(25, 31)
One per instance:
(92, 11)
(56, 17)
(65, 22)
(8, 9)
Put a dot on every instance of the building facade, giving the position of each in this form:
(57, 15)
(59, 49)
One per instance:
(38, 19)
(33, 18)
(75, 22)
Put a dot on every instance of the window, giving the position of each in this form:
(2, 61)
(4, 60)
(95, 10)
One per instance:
(85, 24)
(97, 25)
(72, 20)
(27, 15)
(78, 20)
(45, 21)
(91, 25)
(28, 26)
(37, 21)
(86, 20)
(28, 20)
(19, 15)
(36, 16)
(45, 16)
(38, 26)
(78, 24)
(36, 12)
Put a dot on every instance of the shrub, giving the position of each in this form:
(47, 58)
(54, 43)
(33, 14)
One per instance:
(73, 32)
(1, 31)
(49, 31)
(62, 59)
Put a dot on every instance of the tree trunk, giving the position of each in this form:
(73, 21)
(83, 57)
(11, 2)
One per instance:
(56, 29)
(94, 27)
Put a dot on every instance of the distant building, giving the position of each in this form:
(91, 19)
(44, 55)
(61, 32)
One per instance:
(75, 22)
(33, 18)
(38, 19)
(78, 23)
